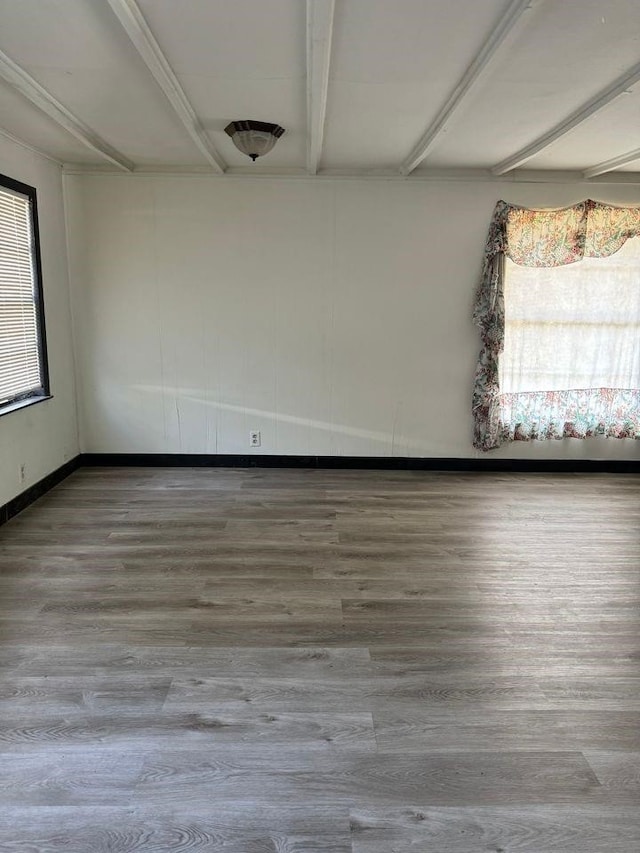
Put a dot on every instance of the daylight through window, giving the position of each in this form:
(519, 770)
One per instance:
(559, 314)
(573, 327)
(23, 369)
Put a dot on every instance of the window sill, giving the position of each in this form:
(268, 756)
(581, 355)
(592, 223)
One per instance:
(23, 404)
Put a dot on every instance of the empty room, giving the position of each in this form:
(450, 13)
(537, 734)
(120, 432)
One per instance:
(319, 421)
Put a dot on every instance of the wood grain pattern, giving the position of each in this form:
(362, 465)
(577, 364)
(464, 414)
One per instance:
(367, 689)
(535, 829)
(436, 778)
(217, 828)
(292, 661)
(619, 774)
(212, 729)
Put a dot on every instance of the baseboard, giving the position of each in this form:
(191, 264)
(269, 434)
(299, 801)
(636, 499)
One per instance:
(364, 463)
(379, 463)
(22, 501)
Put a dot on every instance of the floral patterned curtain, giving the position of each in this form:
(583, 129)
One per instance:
(545, 238)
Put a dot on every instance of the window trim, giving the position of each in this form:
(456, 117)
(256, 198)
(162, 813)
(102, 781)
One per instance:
(44, 393)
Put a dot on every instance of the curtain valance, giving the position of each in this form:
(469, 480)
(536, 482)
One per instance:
(552, 238)
(534, 238)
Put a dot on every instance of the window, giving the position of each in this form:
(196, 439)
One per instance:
(23, 361)
(559, 313)
(573, 327)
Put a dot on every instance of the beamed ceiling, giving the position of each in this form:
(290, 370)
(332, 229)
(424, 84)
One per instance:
(407, 88)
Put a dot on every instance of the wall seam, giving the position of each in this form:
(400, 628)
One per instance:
(72, 317)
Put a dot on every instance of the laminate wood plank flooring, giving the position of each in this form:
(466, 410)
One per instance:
(321, 661)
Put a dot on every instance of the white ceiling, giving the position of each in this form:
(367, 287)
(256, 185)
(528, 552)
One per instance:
(400, 87)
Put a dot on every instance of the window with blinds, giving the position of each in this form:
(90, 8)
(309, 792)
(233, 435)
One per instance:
(23, 369)
(573, 327)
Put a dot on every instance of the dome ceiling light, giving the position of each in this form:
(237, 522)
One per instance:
(254, 138)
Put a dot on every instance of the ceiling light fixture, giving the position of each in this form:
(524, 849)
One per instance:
(254, 138)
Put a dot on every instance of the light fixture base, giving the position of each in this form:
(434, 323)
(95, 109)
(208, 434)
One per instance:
(254, 138)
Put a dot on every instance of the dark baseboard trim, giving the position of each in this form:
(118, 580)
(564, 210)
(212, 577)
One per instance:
(380, 463)
(22, 501)
(362, 463)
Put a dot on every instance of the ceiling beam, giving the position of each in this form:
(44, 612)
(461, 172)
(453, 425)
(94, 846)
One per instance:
(520, 176)
(468, 81)
(144, 41)
(590, 108)
(22, 82)
(319, 34)
(614, 163)
(29, 147)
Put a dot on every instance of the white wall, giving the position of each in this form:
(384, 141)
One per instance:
(44, 436)
(335, 317)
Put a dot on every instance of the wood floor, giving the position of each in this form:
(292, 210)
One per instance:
(288, 661)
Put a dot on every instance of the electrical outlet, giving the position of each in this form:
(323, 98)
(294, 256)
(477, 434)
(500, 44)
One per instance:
(23, 472)
(254, 438)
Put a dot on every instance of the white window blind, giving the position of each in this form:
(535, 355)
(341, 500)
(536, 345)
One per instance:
(20, 361)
